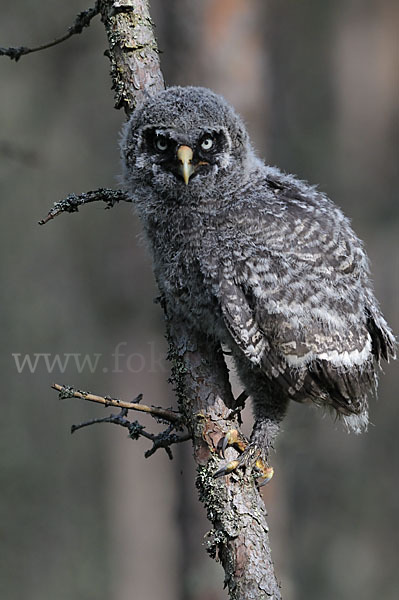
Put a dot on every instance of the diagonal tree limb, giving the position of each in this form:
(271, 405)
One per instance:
(239, 530)
(82, 20)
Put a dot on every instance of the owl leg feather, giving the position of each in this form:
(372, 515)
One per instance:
(269, 407)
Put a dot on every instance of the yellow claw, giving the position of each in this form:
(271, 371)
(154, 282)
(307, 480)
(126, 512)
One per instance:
(267, 473)
(231, 466)
(236, 440)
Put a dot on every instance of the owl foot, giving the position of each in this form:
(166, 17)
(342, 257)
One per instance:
(251, 457)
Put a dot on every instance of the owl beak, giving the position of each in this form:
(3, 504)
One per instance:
(186, 168)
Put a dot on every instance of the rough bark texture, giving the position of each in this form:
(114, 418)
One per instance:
(133, 52)
(239, 534)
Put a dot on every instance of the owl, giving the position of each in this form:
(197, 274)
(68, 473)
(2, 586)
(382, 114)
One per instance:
(257, 260)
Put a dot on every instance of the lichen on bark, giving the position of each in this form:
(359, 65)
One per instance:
(133, 51)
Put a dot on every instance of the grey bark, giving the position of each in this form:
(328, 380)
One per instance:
(133, 52)
(239, 534)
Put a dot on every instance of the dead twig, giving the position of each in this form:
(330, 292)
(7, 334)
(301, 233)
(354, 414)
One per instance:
(72, 202)
(171, 416)
(164, 440)
(82, 20)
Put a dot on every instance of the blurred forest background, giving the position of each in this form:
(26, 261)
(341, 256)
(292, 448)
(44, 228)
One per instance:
(87, 517)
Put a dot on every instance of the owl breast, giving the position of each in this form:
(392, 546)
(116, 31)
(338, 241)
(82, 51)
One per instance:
(188, 287)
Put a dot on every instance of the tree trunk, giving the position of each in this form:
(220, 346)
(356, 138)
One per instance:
(239, 534)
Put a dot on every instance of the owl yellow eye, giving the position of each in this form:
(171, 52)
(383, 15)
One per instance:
(161, 143)
(207, 143)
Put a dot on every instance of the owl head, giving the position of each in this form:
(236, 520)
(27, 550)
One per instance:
(182, 142)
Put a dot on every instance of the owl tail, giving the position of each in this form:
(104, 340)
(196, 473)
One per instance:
(357, 423)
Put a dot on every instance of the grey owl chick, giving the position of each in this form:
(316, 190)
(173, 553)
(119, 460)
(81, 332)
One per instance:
(255, 258)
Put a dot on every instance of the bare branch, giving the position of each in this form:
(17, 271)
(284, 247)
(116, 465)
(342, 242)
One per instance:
(66, 391)
(72, 202)
(164, 440)
(82, 20)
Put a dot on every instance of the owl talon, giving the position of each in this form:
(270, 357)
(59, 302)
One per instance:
(232, 438)
(228, 468)
(250, 457)
(266, 474)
